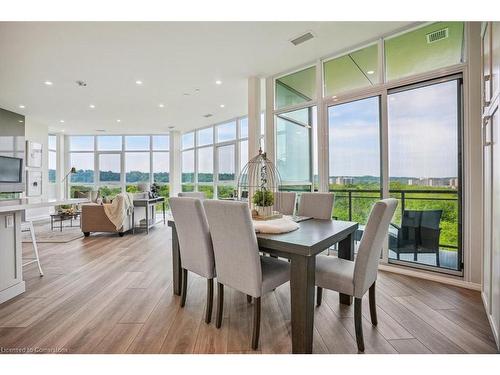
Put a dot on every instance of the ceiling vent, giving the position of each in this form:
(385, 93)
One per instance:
(302, 38)
(437, 35)
(208, 115)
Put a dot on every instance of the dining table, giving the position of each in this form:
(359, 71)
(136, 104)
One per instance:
(301, 247)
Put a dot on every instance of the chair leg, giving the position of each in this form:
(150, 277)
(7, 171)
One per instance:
(35, 247)
(373, 305)
(249, 298)
(319, 295)
(210, 298)
(184, 286)
(256, 323)
(220, 304)
(358, 327)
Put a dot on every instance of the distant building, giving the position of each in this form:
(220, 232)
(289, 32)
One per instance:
(453, 183)
(435, 182)
(344, 180)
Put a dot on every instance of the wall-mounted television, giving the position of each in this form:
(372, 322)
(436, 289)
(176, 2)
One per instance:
(11, 174)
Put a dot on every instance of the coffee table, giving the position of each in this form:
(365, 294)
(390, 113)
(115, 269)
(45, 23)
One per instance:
(60, 217)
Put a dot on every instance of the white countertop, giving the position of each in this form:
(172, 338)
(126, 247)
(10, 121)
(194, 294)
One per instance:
(27, 203)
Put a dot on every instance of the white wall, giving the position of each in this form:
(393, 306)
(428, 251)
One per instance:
(37, 132)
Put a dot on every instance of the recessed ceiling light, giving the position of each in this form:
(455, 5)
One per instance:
(61, 121)
(21, 121)
(118, 120)
(48, 83)
(63, 130)
(218, 82)
(370, 72)
(222, 106)
(161, 105)
(92, 106)
(186, 94)
(21, 106)
(138, 82)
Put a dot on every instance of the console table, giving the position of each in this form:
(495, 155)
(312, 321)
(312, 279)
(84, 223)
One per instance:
(149, 204)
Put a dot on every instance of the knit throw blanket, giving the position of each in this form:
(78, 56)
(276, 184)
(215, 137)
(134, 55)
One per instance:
(118, 211)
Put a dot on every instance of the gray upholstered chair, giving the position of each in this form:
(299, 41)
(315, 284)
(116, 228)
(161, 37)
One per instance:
(195, 245)
(356, 278)
(284, 202)
(237, 258)
(316, 205)
(192, 194)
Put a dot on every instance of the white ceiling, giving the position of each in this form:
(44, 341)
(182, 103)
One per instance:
(171, 58)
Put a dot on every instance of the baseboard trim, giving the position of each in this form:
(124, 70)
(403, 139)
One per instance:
(450, 280)
(12, 291)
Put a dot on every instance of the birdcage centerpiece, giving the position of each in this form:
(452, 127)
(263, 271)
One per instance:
(258, 183)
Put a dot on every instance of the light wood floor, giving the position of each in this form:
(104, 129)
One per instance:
(106, 294)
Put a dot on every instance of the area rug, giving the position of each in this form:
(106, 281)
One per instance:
(44, 234)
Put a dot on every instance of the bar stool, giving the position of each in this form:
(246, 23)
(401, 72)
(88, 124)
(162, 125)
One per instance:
(27, 226)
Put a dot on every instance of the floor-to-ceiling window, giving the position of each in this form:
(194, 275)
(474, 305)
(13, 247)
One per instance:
(115, 163)
(213, 156)
(363, 159)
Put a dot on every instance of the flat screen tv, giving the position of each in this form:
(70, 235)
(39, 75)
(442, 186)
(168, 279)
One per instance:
(11, 170)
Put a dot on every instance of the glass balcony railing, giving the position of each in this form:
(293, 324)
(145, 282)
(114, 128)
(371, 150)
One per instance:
(425, 226)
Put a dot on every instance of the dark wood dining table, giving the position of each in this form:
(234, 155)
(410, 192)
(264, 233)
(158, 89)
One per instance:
(301, 247)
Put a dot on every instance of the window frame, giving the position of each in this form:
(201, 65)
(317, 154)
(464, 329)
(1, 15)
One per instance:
(122, 152)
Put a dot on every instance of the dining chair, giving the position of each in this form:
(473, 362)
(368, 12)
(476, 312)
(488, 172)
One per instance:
(237, 258)
(284, 202)
(195, 245)
(358, 277)
(192, 194)
(316, 205)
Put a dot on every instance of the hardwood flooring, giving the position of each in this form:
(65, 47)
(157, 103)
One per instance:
(106, 294)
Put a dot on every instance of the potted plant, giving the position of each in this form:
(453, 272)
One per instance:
(263, 200)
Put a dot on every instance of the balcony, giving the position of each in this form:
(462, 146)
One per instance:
(440, 246)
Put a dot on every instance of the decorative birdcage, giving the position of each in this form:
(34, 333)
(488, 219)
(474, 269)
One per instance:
(258, 183)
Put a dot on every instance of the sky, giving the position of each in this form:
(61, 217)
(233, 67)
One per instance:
(422, 134)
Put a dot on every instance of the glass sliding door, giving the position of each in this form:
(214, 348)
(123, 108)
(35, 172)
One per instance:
(354, 158)
(424, 123)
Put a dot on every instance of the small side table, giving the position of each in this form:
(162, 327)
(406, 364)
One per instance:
(149, 204)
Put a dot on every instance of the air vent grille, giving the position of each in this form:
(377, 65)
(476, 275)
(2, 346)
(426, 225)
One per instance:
(208, 115)
(437, 35)
(302, 38)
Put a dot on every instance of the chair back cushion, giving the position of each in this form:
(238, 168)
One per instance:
(237, 258)
(194, 236)
(316, 205)
(284, 202)
(370, 246)
(430, 231)
(193, 194)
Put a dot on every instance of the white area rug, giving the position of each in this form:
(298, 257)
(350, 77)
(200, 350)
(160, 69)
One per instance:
(45, 235)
